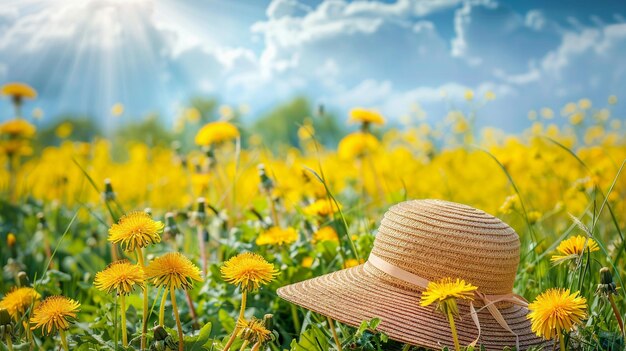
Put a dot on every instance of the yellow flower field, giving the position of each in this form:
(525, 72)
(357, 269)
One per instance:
(183, 248)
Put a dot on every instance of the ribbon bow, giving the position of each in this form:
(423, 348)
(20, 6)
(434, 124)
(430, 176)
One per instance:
(488, 300)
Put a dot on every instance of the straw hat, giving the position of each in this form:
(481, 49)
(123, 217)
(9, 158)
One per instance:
(429, 240)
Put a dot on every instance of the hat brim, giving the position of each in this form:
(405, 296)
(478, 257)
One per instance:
(353, 295)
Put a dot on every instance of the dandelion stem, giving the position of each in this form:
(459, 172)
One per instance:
(123, 313)
(242, 310)
(201, 246)
(192, 310)
(406, 347)
(231, 340)
(244, 345)
(244, 299)
(331, 325)
(64, 340)
(256, 346)
(455, 337)
(620, 322)
(9, 343)
(177, 317)
(561, 340)
(144, 327)
(162, 308)
(296, 319)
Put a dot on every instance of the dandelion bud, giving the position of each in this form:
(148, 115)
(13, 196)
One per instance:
(209, 152)
(171, 229)
(6, 328)
(606, 286)
(162, 340)
(5, 317)
(42, 223)
(109, 194)
(266, 182)
(22, 279)
(11, 240)
(267, 321)
(199, 216)
(160, 333)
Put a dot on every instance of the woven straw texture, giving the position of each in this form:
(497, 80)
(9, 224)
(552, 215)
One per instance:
(433, 239)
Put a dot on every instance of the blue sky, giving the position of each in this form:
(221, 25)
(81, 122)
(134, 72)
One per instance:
(152, 55)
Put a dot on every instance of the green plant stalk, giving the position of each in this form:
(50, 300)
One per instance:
(144, 327)
(406, 347)
(455, 337)
(242, 310)
(256, 346)
(177, 317)
(620, 322)
(9, 343)
(123, 316)
(162, 308)
(244, 345)
(296, 319)
(561, 340)
(202, 248)
(192, 310)
(64, 340)
(331, 325)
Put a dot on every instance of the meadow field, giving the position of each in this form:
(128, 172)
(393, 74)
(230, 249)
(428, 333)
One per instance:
(146, 242)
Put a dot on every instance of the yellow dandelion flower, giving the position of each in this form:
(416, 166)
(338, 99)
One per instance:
(193, 115)
(325, 234)
(54, 313)
(468, 95)
(356, 145)
(174, 271)
(307, 262)
(277, 236)
(120, 276)
(461, 126)
(135, 230)
(612, 100)
(577, 118)
(248, 270)
(322, 207)
(362, 115)
(16, 147)
(11, 240)
(584, 104)
(445, 293)
(17, 127)
(573, 248)
(226, 112)
(510, 203)
(534, 216)
(216, 132)
(490, 95)
(556, 310)
(117, 109)
(253, 331)
(64, 130)
(352, 262)
(547, 113)
(37, 113)
(18, 91)
(19, 300)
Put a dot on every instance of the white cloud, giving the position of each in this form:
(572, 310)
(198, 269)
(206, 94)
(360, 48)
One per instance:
(535, 19)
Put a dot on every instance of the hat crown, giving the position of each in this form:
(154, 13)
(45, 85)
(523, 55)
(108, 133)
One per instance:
(436, 239)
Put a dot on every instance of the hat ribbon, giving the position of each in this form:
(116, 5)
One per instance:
(488, 300)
